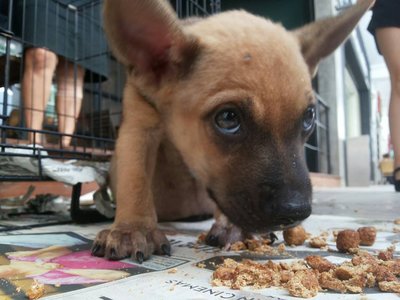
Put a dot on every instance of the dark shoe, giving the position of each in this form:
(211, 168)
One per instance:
(396, 181)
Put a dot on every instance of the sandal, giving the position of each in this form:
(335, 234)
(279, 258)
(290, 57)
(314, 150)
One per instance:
(396, 181)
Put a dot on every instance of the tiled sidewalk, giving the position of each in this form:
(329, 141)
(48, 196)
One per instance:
(378, 202)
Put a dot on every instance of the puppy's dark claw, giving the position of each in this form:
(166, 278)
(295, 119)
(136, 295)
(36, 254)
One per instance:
(113, 255)
(273, 237)
(96, 250)
(212, 240)
(166, 249)
(139, 257)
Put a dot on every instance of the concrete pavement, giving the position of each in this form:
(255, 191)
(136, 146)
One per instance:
(379, 202)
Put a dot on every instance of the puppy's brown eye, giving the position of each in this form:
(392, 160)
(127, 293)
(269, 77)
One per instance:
(309, 119)
(227, 121)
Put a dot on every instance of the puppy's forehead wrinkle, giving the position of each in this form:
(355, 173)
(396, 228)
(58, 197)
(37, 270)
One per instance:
(231, 24)
(240, 35)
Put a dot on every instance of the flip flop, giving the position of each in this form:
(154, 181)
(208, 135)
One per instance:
(396, 181)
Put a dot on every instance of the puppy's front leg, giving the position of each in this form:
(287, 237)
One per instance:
(134, 232)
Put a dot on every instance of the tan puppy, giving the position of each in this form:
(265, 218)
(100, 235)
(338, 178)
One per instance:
(215, 114)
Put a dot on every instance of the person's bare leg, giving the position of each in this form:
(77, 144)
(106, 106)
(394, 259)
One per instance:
(69, 97)
(389, 44)
(40, 65)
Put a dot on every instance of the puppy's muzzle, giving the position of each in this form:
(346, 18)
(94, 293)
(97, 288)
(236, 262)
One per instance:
(284, 206)
(267, 206)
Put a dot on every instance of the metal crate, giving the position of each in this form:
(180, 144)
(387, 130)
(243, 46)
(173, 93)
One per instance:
(96, 126)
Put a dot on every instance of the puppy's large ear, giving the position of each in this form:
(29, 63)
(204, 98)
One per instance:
(146, 35)
(321, 38)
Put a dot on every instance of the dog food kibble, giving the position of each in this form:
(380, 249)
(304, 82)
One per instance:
(35, 291)
(318, 242)
(347, 240)
(201, 238)
(295, 236)
(304, 284)
(367, 235)
(389, 286)
(305, 278)
(258, 246)
(386, 255)
(319, 263)
(238, 246)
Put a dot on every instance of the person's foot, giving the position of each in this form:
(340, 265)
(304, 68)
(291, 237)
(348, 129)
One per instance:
(396, 178)
(35, 136)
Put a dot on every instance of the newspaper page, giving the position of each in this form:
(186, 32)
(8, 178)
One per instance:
(59, 258)
(69, 172)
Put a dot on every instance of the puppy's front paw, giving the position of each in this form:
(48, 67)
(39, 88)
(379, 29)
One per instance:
(120, 242)
(224, 234)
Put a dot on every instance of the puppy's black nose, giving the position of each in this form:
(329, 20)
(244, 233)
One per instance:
(290, 213)
(285, 206)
